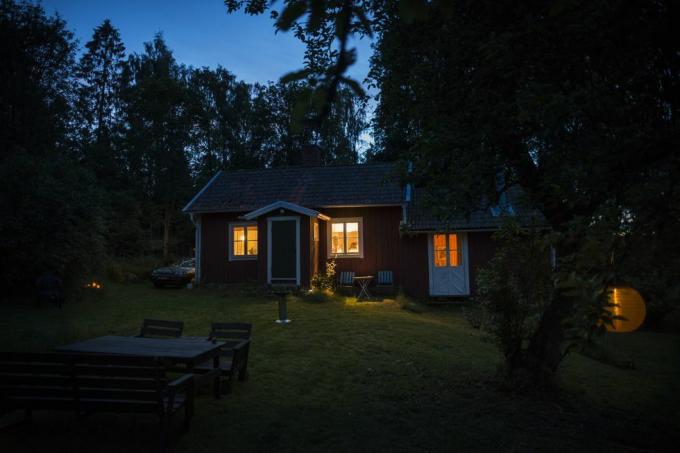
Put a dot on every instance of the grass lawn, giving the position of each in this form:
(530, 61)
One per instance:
(348, 376)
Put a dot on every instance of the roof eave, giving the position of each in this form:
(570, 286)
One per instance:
(186, 209)
(284, 205)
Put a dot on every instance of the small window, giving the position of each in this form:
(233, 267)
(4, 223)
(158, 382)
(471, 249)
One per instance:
(453, 250)
(345, 238)
(243, 240)
(440, 250)
(445, 250)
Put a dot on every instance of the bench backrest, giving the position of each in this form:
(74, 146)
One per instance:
(160, 328)
(82, 382)
(385, 278)
(36, 381)
(346, 278)
(231, 332)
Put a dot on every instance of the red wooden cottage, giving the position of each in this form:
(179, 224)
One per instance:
(280, 225)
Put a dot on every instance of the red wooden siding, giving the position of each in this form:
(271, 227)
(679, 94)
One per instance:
(215, 264)
(385, 248)
(481, 248)
(380, 240)
(415, 265)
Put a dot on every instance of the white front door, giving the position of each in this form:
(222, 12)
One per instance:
(448, 254)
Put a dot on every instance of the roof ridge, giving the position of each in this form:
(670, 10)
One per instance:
(302, 167)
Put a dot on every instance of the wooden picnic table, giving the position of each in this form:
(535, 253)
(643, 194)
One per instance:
(188, 351)
(363, 282)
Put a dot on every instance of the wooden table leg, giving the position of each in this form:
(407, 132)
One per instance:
(363, 285)
(243, 372)
(216, 366)
(190, 370)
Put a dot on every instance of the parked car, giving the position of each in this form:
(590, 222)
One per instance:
(175, 275)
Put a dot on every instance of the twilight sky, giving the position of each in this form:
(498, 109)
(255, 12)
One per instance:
(199, 32)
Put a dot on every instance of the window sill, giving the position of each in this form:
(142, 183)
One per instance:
(358, 255)
(243, 258)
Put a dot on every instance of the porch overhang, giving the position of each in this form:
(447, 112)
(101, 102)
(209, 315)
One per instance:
(287, 206)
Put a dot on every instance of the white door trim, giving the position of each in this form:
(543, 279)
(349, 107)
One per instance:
(464, 267)
(297, 246)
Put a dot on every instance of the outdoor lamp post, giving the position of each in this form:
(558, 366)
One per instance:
(283, 305)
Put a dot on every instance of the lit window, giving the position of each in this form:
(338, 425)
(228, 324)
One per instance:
(440, 250)
(352, 233)
(345, 238)
(445, 246)
(453, 250)
(338, 238)
(243, 240)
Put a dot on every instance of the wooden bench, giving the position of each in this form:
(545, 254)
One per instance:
(234, 356)
(159, 328)
(87, 383)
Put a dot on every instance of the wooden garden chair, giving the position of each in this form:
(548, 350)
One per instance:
(346, 280)
(156, 328)
(385, 282)
(234, 355)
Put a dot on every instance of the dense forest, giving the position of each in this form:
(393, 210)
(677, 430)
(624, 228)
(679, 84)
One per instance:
(101, 149)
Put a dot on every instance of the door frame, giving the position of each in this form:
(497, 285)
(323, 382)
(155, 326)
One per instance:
(297, 246)
(465, 255)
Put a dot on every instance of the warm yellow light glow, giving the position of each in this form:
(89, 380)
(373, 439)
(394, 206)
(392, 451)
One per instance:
(628, 304)
(446, 247)
(345, 238)
(252, 233)
(453, 250)
(439, 242)
(338, 238)
(244, 240)
(352, 229)
(252, 240)
(93, 285)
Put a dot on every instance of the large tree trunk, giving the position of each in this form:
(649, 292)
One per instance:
(539, 362)
(167, 217)
(537, 365)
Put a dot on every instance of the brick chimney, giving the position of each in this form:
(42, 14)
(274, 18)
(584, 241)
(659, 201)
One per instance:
(311, 156)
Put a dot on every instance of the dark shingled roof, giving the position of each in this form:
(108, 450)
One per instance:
(349, 185)
(514, 205)
(313, 187)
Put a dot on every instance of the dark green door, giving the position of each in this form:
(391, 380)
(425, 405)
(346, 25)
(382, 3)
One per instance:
(283, 251)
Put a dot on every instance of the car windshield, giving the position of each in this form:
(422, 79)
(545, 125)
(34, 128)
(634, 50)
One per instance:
(186, 263)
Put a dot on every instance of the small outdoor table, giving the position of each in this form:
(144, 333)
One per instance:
(186, 351)
(363, 282)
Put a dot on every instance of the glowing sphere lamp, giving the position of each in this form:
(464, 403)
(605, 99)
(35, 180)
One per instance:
(629, 304)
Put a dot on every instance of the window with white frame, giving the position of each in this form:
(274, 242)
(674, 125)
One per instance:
(242, 241)
(345, 238)
(446, 250)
